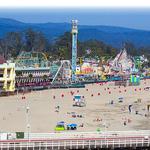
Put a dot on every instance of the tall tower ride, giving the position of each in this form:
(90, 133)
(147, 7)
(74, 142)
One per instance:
(74, 48)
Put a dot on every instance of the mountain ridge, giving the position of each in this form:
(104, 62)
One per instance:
(112, 35)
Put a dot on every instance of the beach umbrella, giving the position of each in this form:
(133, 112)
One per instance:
(61, 122)
(72, 125)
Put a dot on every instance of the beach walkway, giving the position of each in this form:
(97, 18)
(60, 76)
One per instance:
(80, 140)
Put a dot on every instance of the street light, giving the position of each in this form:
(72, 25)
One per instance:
(28, 127)
(105, 130)
(27, 120)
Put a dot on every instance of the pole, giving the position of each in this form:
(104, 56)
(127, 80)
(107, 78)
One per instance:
(105, 132)
(27, 121)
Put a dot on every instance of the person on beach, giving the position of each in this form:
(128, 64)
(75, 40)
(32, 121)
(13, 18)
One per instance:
(124, 123)
(129, 107)
(148, 107)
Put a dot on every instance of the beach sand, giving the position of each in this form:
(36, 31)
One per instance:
(97, 114)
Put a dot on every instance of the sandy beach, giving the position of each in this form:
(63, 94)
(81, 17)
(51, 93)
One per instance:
(98, 113)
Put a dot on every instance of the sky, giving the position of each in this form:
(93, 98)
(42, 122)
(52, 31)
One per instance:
(124, 13)
(137, 18)
(74, 3)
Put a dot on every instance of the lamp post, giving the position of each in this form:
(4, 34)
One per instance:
(27, 121)
(105, 131)
(28, 128)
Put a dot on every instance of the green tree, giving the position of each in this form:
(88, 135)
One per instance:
(35, 41)
(63, 45)
(131, 48)
(11, 44)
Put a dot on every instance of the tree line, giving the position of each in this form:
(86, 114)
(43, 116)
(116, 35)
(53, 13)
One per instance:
(30, 40)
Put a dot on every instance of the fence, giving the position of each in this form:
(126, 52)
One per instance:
(78, 140)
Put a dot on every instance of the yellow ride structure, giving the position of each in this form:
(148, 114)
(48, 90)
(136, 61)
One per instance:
(7, 77)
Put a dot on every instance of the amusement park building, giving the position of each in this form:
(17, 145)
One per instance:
(7, 77)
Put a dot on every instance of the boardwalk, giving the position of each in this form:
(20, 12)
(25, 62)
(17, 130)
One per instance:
(79, 140)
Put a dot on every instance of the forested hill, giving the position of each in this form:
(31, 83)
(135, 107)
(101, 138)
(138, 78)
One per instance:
(114, 36)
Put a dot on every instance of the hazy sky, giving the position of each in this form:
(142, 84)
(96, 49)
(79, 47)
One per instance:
(133, 18)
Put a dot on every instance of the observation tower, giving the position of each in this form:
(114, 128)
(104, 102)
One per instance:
(74, 48)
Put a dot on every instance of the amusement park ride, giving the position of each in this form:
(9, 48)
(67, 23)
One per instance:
(74, 48)
(33, 70)
(31, 60)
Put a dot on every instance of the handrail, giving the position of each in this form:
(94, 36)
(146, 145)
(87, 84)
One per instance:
(75, 135)
(77, 142)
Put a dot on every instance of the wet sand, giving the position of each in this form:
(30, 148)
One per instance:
(97, 114)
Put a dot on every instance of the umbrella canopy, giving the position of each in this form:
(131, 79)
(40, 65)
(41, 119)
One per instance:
(72, 125)
(61, 123)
